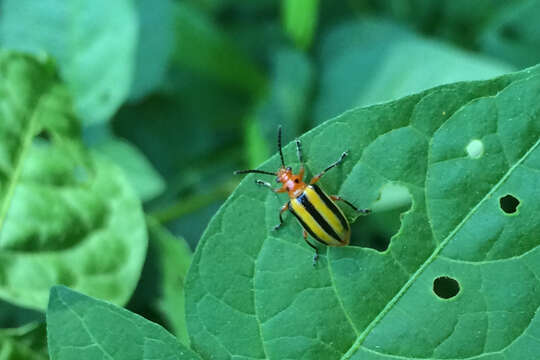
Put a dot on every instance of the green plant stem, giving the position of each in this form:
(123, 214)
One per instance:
(193, 203)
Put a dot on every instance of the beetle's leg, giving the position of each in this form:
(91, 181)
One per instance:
(264, 183)
(319, 175)
(339, 198)
(281, 211)
(316, 256)
(268, 185)
(275, 191)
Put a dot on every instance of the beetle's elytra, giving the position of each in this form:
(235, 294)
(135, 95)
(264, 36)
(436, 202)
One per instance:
(316, 211)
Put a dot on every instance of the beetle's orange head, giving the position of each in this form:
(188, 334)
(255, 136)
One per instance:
(284, 174)
(292, 183)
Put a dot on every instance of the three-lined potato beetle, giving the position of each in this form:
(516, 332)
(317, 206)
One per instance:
(316, 211)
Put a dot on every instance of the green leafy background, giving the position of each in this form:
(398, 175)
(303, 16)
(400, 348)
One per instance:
(121, 221)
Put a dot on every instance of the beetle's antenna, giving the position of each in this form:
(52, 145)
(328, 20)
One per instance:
(254, 171)
(279, 145)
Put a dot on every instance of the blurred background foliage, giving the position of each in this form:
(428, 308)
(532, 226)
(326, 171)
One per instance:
(181, 93)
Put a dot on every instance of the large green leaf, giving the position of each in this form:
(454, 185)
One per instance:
(94, 43)
(80, 327)
(370, 61)
(66, 217)
(145, 180)
(458, 149)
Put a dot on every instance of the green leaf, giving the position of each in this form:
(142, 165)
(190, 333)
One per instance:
(372, 61)
(456, 20)
(95, 49)
(144, 179)
(174, 257)
(27, 342)
(12, 316)
(513, 34)
(156, 38)
(300, 20)
(66, 217)
(203, 48)
(80, 327)
(192, 100)
(285, 103)
(252, 292)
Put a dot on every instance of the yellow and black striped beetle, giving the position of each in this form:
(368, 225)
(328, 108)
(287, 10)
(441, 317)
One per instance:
(316, 211)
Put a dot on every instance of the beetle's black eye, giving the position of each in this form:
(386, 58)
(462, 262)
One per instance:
(296, 181)
(289, 168)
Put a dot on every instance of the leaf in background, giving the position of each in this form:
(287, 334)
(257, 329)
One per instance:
(253, 292)
(257, 146)
(459, 21)
(156, 38)
(203, 48)
(285, 103)
(65, 217)
(174, 257)
(81, 327)
(197, 150)
(368, 62)
(27, 342)
(185, 122)
(299, 19)
(246, 7)
(95, 49)
(144, 179)
(513, 35)
(12, 316)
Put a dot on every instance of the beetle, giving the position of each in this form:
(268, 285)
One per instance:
(316, 211)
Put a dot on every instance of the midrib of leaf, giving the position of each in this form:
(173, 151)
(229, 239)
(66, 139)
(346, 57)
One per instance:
(28, 135)
(432, 257)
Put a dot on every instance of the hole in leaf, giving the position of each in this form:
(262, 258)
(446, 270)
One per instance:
(44, 134)
(509, 204)
(445, 287)
(475, 149)
(375, 230)
(373, 240)
(43, 137)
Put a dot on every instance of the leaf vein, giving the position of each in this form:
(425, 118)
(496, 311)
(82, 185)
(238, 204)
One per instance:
(28, 134)
(340, 302)
(86, 329)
